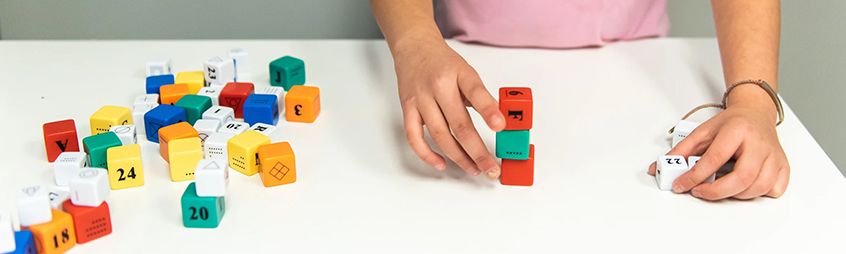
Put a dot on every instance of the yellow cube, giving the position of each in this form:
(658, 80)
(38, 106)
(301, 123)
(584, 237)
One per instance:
(243, 151)
(194, 79)
(125, 169)
(109, 116)
(55, 236)
(184, 155)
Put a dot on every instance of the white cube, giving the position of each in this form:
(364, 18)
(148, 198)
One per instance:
(34, 206)
(151, 100)
(138, 118)
(239, 55)
(692, 160)
(215, 147)
(211, 176)
(212, 92)
(220, 113)
(126, 134)
(159, 67)
(219, 71)
(57, 197)
(263, 128)
(274, 90)
(91, 188)
(682, 129)
(205, 128)
(7, 233)
(234, 127)
(67, 167)
(669, 168)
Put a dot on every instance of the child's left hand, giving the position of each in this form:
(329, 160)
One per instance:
(744, 131)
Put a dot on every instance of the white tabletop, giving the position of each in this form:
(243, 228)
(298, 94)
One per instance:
(601, 117)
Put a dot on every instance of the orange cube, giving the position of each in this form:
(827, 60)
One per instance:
(519, 172)
(302, 104)
(173, 132)
(56, 236)
(277, 164)
(90, 223)
(170, 94)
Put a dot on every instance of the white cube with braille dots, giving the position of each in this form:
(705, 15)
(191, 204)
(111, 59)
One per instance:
(669, 168)
(211, 177)
(220, 113)
(212, 92)
(692, 160)
(159, 67)
(91, 188)
(126, 134)
(67, 166)
(263, 128)
(274, 90)
(34, 206)
(682, 129)
(216, 146)
(218, 71)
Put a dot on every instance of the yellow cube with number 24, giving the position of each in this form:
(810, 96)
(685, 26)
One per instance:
(125, 169)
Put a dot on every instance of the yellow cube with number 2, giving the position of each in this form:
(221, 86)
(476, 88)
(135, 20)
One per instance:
(109, 116)
(125, 169)
(194, 79)
(184, 156)
(243, 151)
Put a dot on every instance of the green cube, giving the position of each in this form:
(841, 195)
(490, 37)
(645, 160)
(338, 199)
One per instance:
(201, 212)
(512, 145)
(286, 72)
(96, 146)
(194, 106)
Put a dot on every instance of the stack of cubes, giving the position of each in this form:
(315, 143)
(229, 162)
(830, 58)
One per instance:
(513, 144)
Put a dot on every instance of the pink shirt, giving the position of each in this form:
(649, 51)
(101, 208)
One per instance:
(551, 23)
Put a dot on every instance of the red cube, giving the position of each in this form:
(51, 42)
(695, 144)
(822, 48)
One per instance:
(90, 223)
(519, 172)
(515, 103)
(60, 136)
(234, 94)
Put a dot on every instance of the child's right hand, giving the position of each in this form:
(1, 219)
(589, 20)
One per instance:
(435, 86)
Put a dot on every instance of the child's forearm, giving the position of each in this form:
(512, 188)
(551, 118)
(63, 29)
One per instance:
(406, 21)
(748, 34)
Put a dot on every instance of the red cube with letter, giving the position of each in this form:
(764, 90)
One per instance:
(234, 94)
(519, 172)
(60, 136)
(515, 103)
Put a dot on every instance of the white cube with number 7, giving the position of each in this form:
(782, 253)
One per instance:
(668, 168)
(34, 206)
(90, 188)
(211, 177)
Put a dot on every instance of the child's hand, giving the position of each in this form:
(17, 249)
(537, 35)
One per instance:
(745, 131)
(435, 86)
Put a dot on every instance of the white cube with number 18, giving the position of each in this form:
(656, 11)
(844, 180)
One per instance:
(34, 206)
(211, 176)
(669, 168)
(692, 160)
(90, 188)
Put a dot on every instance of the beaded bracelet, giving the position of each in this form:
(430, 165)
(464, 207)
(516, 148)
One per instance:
(723, 105)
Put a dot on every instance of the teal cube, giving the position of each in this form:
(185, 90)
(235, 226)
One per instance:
(194, 106)
(286, 72)
(201, 212)
(96, 146)
(512, 145)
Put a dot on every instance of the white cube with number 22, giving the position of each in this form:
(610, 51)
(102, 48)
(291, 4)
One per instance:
(669, 168)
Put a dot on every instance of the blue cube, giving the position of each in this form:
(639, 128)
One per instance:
(24, 243)
(261, 108)
(155, 82)
(161, 116)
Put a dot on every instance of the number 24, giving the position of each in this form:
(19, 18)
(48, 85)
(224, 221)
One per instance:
(123, 177)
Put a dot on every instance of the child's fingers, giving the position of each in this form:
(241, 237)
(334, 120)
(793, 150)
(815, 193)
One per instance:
(741, 178)
(440, 132)
(781, 183)
(764, 182)
(414, 136)
(474, 91)
(693, 144)
(722, 148)
(465, 132)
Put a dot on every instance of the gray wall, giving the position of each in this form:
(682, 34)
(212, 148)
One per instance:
(811, 60)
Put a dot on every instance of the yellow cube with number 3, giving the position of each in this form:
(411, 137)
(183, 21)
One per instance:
(243, 151)
(125, 169)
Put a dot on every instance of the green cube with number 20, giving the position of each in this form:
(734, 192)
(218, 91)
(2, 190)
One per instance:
(201, 212)
(286, 72)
